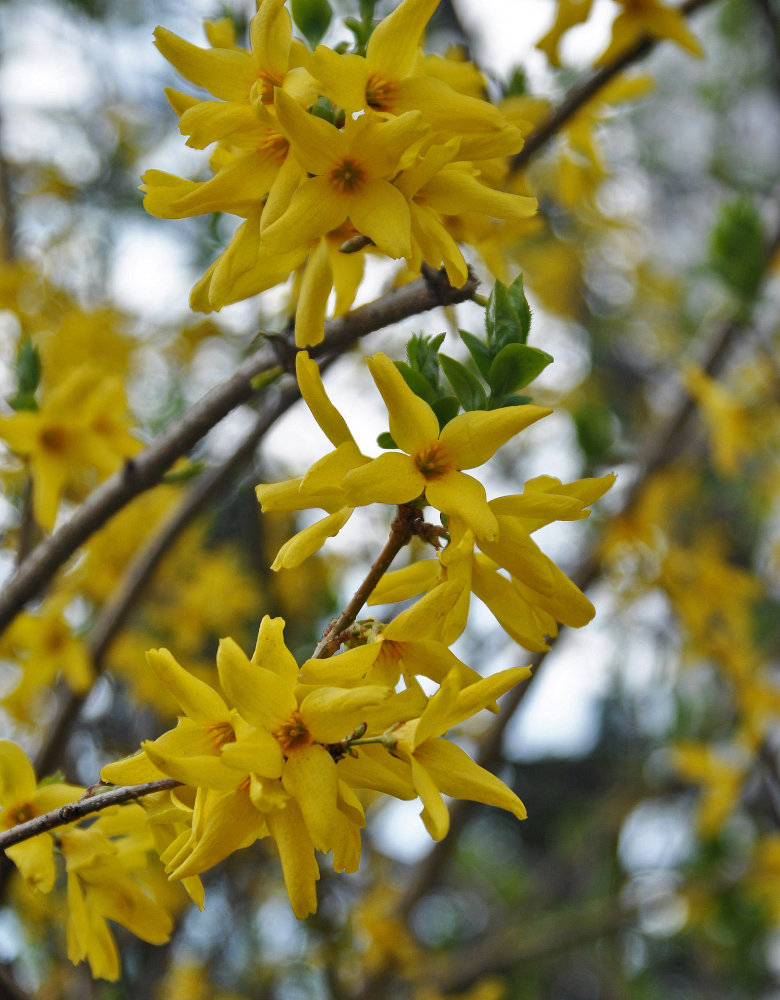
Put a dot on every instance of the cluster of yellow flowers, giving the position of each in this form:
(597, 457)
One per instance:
(396, 147)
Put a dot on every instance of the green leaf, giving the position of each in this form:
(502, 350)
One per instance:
(511, 400)
(423, 354)
(518, 83)
(467, 386)
(480, 354)
(312, 18)
(523, 310)
(385, 440)
(418, 383)
(28, 367)
(737, 251)
(322, 108)
(504, 325)
(514, 367)
(445, 408)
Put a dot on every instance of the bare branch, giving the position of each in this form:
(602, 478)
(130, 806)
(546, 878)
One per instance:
(148, 468)
(73, 811)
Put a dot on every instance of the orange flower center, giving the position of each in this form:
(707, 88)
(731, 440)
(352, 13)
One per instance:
(267, 82)
(348, 176)
(54, 438)
(379, 93)
(293, 734)
(275, 145)
(21, 813)
(220, 733)
(432, 462)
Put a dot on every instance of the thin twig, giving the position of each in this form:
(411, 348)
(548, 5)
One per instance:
(579, 96)
(663, 445)
(401, 531)
(73, 811)
(148, 468)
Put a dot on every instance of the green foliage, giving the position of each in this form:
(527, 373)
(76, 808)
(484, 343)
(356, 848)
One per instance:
(322, 108)
(467, 386)
(28, 376)
(508, 315)
(517, 83)
(312, 17)
(737, 248)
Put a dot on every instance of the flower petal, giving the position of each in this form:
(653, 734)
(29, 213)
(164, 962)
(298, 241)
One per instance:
(310, 540)
(413, 423)
(470, 439)
(333, 425)
(457, 775)
(271, 651)
(458, 494)
(309, 775)
(296, 852)
(390, 478)
(380, 211)
(263, 698)
(314, 210)
(313, 297)
(392, 48)
(199, 701)
(226, 73)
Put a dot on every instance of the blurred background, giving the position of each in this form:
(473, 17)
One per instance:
(646, 751)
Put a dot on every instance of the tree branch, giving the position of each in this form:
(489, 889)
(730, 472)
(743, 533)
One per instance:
(579, 96)
(401, 531)
(73, 811)
(148, 468)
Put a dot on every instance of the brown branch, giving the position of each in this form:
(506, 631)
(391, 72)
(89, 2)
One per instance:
(401, 531)
(148, 468)
(73, 811)
(579, 96)
(662, 447)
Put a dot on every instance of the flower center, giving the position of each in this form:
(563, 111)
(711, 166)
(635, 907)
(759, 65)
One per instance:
(54, 438)
(379, 93)
(275, 145)
(293, 734)
(21, 813)
(347, 176)
(220, 733)
(432, 462)
(266, 83)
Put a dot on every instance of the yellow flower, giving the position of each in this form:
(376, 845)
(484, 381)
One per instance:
(648, 17)
(350, 170)
(568, 14)
(21, 800)
(433, 460)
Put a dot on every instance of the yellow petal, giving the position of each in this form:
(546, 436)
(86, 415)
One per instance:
(390, 478)
(413, 423)
(458, 494)
(333, 425)
(270, 33)
(257, 753)
(456, 774)
(435, 720)
(313, 297)
(263, 698)
(17, 776)
(296, 853)
(392, 48)
(470, 439)
(318, 146)
(226, 73)
(272, 653)
(237, 187)
(401, 584)
(314, 210)
(198, 700)
(309, 775)
(375, 769)
(380, 211)
(197, 772)
(35, 860)
(342, 77)
(434, 814)
(232, 823)
(332, 713)
(310, 540)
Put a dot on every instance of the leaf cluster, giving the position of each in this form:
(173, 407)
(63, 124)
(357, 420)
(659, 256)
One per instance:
(502, 362)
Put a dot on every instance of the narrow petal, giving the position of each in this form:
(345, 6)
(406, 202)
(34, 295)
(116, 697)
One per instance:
(459, 494)
(445, 109)
(390, 478)
(313, 297)
(309, 775)
(375, 769)
(296, 853)
(271, 651)
(318, 146)
(342, 77)
(380, 211)
(453, 191)
(435, 720)
(401, 584)
(413, 423)
(263, 698)
(328, 473)
(420, 621)
(240, 185)
(346, 845)
(470, 439)
(199, 701)
(513, 613)
(315, 209)
(517, 552)
(331, 713)
(256, 753)
(434, 815)
(457, 775)
(231, 823)
(35, 860)
(226, 73)
(270, 33)
(333, 425)
(392, 48)
(17, 776)
(310, 540)
(198, 772)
